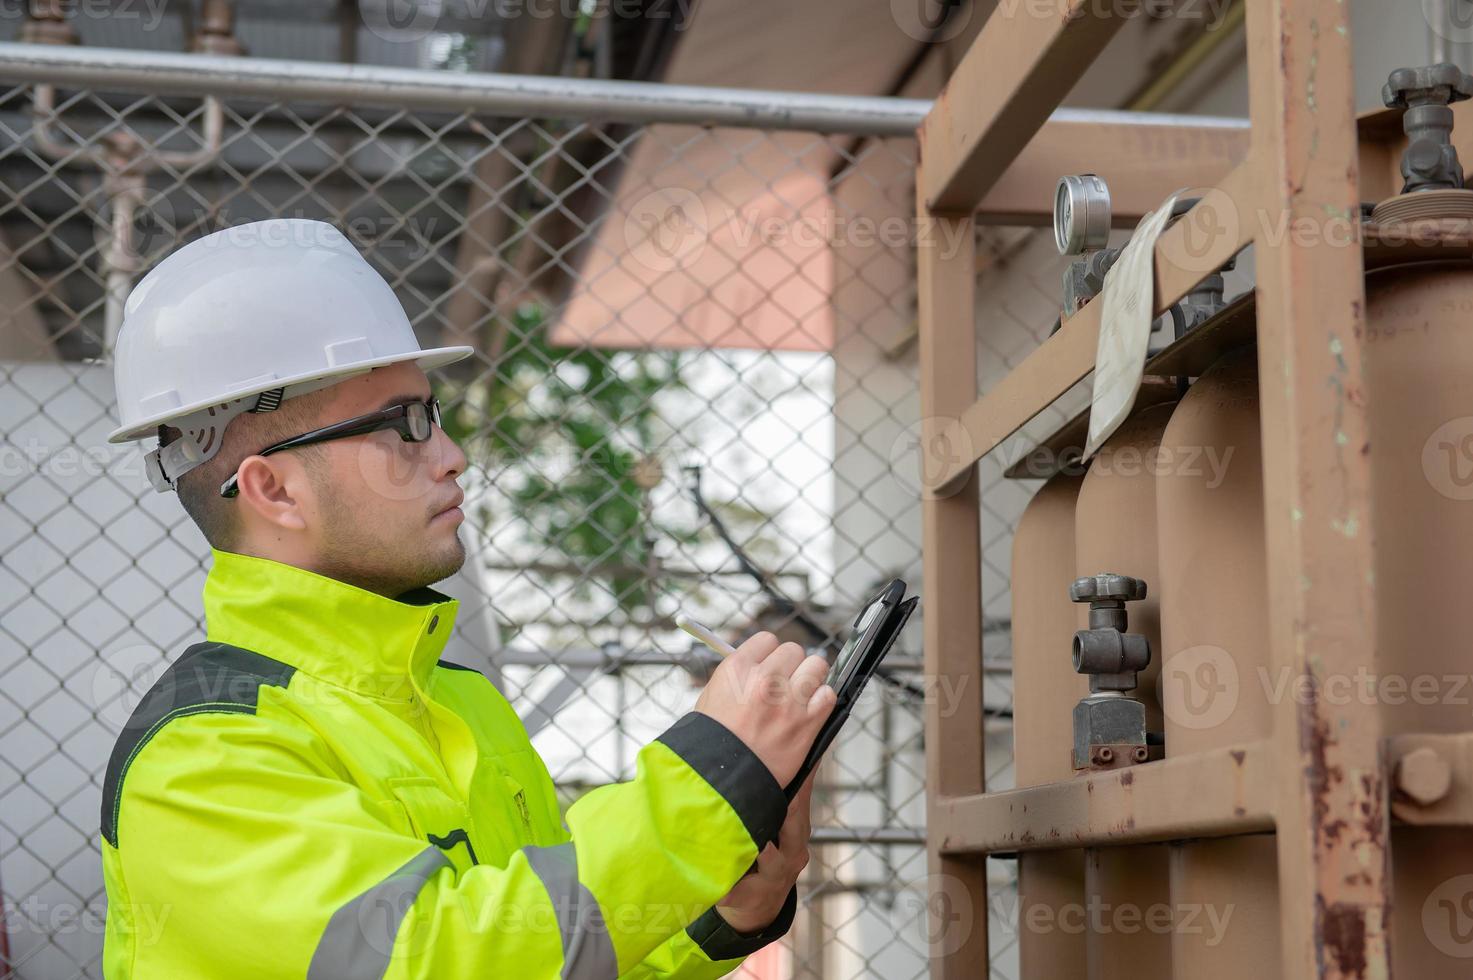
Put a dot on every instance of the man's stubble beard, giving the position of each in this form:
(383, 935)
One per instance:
(370, 556)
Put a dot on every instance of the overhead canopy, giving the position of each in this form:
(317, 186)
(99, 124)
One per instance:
(721, 238)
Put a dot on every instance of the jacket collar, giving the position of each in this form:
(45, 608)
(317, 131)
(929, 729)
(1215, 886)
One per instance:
(328, 629)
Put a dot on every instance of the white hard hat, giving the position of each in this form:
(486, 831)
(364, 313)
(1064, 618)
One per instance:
(244, 319)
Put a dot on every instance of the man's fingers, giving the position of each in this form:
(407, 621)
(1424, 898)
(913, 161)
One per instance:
(808, 676)
(799, 824)
(803, 799)
(757, 647)
(769, 859)
(822, 702)
(783, 661)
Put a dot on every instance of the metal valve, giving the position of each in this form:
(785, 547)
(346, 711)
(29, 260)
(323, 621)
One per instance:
(1110, 656)
(1109, 727)
(1430, 162)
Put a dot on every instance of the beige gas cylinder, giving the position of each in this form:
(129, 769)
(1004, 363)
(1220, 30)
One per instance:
(1126, 888)
(1418, 362)
(1045, 690)
(1215, 665)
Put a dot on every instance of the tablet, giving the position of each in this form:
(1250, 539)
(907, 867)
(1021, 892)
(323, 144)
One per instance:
(874, 632)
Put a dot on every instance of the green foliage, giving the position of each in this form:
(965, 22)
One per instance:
(567, 433)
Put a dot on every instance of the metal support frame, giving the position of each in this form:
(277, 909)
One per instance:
(1321, 782)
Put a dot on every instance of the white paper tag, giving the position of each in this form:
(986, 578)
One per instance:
(1125, 329)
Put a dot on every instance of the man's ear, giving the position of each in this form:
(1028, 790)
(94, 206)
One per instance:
(275, 488)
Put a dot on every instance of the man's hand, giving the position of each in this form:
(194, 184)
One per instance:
(757, 899)
(774, 699)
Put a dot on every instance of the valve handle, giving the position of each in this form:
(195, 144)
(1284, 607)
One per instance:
(1441, 84)
(1107, 587)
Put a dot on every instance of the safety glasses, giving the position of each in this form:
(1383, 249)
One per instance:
(414, 421)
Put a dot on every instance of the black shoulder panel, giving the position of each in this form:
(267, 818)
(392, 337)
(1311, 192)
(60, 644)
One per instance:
(207, 677)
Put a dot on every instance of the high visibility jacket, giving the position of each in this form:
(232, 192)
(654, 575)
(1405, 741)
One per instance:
(312, 793)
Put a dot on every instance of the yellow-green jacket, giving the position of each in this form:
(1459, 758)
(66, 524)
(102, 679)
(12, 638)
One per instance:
(312, 793)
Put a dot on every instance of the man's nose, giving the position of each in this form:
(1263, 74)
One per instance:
(449, 458)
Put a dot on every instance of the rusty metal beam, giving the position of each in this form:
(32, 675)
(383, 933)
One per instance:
(952, 593)
(1140, 155)
(1212, 794)
(1182, 259)
(1332, 789)
(1018, 69)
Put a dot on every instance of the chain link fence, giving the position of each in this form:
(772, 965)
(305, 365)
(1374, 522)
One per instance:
(694, 391)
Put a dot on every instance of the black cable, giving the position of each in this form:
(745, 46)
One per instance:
(787, 606)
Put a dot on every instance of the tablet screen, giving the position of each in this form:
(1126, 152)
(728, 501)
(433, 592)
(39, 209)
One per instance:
(845, 660)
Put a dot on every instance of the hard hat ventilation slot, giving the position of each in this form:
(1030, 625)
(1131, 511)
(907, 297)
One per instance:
(269, 401)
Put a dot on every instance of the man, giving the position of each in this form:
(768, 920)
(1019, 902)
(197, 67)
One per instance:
(311, 791)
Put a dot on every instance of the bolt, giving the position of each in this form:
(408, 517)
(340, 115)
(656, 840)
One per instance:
(1424, 776)
(1104, 755)
(1139, 753)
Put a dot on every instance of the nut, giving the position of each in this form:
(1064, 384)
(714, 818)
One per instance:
(1424, 776)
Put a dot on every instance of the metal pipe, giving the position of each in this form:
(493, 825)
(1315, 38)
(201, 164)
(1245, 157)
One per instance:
(515, 95)
(1438, 24)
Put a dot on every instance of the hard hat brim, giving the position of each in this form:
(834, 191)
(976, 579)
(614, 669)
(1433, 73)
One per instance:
(426, 359)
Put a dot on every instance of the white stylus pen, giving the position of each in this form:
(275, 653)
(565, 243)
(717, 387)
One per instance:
(716, 643)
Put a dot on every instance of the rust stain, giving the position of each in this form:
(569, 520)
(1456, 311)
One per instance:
(1342, 934)
(1127, 778)
(1238, 756)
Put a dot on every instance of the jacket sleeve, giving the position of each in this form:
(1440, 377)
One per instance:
(272, 863)
(710, 948)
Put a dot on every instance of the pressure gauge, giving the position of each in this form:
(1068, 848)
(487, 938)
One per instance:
(1081, 214)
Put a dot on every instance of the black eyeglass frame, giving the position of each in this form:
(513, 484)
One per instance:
(415, 421)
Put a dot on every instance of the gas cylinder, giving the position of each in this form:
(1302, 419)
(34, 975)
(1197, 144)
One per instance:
(1215, 664)
(1126, 888)
(1045, 690)
(1418, 364)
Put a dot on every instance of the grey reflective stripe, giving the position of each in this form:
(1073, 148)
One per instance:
(359, 937)
(588, 949)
